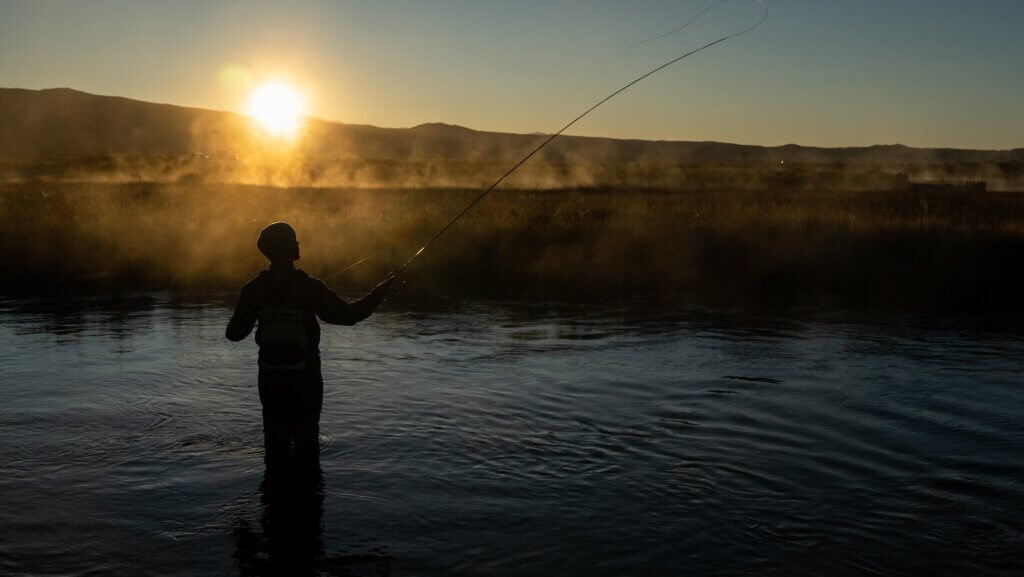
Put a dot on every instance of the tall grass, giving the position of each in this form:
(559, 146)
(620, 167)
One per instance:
(781, 247)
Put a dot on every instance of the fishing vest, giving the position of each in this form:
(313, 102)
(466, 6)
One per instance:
(284, 341)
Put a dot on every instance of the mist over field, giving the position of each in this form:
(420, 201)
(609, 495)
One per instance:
(62, 134)
(784, 247)
(103, 193)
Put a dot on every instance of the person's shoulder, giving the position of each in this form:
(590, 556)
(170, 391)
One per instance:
(309, 279)
(305, 276)
(256, 280)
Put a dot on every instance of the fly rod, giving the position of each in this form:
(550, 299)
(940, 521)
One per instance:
(547, 141)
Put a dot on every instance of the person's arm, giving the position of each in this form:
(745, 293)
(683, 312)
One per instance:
(334, 310)
(244, 319)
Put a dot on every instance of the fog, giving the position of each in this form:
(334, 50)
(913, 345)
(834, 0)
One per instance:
(781, 247)
(101, 194)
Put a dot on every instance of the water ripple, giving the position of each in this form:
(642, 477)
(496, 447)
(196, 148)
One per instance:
(517, 438)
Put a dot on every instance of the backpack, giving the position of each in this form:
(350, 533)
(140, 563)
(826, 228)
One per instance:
(284, 342)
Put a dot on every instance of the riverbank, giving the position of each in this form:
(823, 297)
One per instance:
(914, 248)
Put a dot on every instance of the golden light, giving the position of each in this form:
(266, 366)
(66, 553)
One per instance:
(278, 108)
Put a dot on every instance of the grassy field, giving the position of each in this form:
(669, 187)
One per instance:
(891, 248)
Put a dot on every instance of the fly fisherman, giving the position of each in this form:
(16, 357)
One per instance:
(286, 303)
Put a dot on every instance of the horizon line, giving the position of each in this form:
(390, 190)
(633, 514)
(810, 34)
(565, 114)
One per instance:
(535, 133)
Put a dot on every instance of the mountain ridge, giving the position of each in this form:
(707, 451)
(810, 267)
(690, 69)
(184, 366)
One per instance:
(68, 123)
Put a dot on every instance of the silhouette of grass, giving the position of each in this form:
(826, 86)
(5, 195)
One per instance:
(787, 247)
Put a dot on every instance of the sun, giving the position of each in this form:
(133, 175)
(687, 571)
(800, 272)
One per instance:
(278, 107)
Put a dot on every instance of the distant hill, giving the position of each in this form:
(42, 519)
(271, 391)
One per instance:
(65, 123)
(44, 128)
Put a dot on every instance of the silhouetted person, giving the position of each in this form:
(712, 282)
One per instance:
(284, 303)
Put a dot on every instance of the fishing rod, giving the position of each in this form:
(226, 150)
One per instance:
(547, 141)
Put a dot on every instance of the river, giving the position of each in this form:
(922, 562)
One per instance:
(504, 438)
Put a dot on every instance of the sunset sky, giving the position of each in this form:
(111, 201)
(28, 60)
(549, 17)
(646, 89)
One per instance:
(827, 73)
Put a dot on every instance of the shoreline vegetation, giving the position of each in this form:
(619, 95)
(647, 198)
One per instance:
(298, 171)
(104, 195)
(948, 248)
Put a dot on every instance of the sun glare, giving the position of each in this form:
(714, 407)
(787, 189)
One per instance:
(278, 108)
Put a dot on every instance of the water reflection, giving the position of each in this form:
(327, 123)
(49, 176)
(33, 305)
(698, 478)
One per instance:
(514, 439)
(116, 317)
(289, 539)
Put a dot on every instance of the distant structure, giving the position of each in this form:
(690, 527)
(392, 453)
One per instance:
(938, 186)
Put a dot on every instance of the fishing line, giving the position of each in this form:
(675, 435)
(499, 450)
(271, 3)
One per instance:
(679, 29)
(351, 266)
(653, 39)
(574, 121)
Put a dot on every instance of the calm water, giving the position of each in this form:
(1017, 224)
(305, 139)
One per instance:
(504, 439)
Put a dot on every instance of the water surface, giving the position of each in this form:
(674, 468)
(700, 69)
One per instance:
(514, 439)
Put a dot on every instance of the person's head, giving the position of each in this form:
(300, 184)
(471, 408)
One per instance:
(277, 242)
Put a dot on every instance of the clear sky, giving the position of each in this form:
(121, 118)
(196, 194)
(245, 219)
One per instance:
(818, 72)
